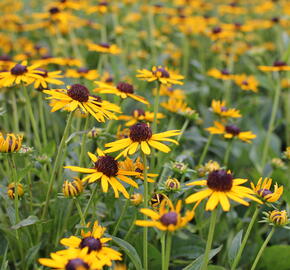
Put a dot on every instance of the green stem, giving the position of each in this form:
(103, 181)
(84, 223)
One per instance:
(42, 119)
(122, 213)
(185, 124)
(228, 151)
(209, 239)
(32, 119)
(168, 250)
(245, 239)
(57, 163)
(83, 143)
(90, 201)
(77, 203)
(14, 112)
(185, 62)
(131, 227)
(271, 124)
(163, 248)
(145, 229)
(205, 149)
(156, 107)
(262, 248)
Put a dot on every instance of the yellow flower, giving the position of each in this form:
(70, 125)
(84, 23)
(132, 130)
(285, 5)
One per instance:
(141, 136)
(104, 48)
(106, 170)
(262, 189)
(77, 259)
(10, 142)
(122, 90)
(220, 74)
(220, 187)
(82, 72)
(47, 77)
(278, 218)
(139, 115)
(287, 153)
(72, 188)
(160, 74)
(247, 83)
(170, 92)
(277, 66)
(95, 244)
(175, 105)
(219, 107)
(136, 199)
(157, 198)
(231, 131)
(166, 219)
(172, 184)
(11, 190)
(78, 96)
(20, 73)
(208, 168)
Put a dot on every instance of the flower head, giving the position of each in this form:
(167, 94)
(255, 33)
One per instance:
(104, 48)
(277, 66)
(168, 218)
(172, 184)
(10, 142)
(276, 218)
(220, 187)
(72, 188)
(11, 190)
(219, 108)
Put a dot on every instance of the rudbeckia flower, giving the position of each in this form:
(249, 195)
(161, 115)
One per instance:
(47, 77)
(220, 74)
(73, 259)
(78, 96)
(107, 170)
(72, 188)
(20, 73)
(220, 187)
(231, 131)
(10, 142)
(11, 190)
(277, 218)
(219, 107)
(122, 90)
(175, 105)
(141, 136)
(104, 48)
(95, 244)
(139, 115)
(262, 189)
(160, 74)
(277, 66)
(166, 219)
(82, 72)
(247, 83)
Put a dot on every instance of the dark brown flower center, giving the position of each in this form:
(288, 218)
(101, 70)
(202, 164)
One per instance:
(279, 64)
(83, 70)
(54, 10)
(138, 112)
(109, 79)
(216, 30)
(220, 180)
(103, 3)
(232, 129)
(264, 192)
(18, 69)
(245, 82)
(107, 165)
(125, 87)
(76, 264)
(79, 92)
(104, 45)
(275, 20)
(224, 109)
(163, 71)
(140, 132)
(225, 72)
(94, 244)
(169, 218)
(5, 57)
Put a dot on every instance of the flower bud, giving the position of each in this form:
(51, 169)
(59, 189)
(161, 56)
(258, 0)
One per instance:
(278, 218)
(172, 184)
(72, 188)
(11, 190)
(136, 199)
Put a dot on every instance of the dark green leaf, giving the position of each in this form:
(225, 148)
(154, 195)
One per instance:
(26, 222)
(235, 245)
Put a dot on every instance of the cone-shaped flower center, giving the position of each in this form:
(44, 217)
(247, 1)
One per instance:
(140, 132)
(18, 69)
(125, 87)
(232, 129)
(279, 64)
(79, 92)
(83, 70)
(162, 72)
(94, 244)
(54, 10)
(169, 218)
(220, 180)
(138, 112)
(76, 264)
(264, 192)
(104, 45)
(225, 72)
(216, 30)
(224, 109)
(245, 82)
(107, 165)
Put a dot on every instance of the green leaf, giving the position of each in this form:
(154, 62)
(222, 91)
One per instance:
(130, 251)
(196, 264)
(275, 257)
(26, 222)
(32, 254)
(235, 245)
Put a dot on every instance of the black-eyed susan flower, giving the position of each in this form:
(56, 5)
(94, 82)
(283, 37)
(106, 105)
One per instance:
(247, 83)
(172, 184)
(141, 136)
(104, 48)
(208, 167)
(220, 74)
(95, 244)
(11, 190)
(175, 105)
(220, 187)
(106, 170)
(277, 66)
(78, 96)
(263, 190)
(160, 74)
(10, 142)
(47, 77)
(219, 108)
(166, 90)
(20, 73)
(137, 166)
(276, 218)
(136, 199)
(139, 115)
(157, 198)
(72, 259)
(82, 72)
(72, 188)
(167, 218)
(123, 90)
(231, 131)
